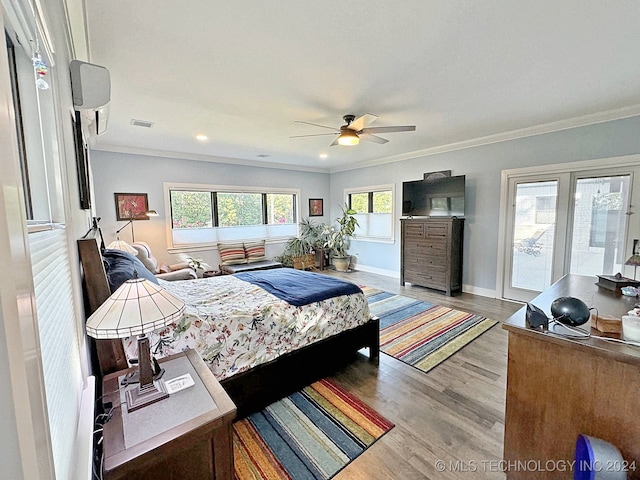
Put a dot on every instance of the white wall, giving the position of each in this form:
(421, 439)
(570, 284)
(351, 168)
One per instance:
(482, 166)
(126, 173)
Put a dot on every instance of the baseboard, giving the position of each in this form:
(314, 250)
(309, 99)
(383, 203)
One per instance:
(379, 271)
(84, 437)
(483, 292)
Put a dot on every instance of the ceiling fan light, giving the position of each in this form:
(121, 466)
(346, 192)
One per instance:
(348, 138)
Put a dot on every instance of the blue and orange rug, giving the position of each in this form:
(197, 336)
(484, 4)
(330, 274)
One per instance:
(419, 333)
(312, 434)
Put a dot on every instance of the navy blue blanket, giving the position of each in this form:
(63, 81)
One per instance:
(298, 287)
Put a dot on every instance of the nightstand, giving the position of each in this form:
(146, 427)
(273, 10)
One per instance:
(188, 435)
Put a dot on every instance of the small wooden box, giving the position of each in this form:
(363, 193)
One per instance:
(606, 323)
(613, 283)
(305, 262)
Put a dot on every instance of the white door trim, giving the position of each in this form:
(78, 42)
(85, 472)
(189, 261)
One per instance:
(560, 168)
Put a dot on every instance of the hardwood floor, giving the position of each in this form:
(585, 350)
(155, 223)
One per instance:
(449, 422)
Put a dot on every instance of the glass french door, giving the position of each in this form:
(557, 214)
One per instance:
(570, 222)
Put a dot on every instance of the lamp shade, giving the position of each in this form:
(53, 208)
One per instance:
(137, 307)
(123, 246)
(633, 260)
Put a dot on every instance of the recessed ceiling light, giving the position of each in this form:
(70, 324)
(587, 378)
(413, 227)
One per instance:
(202, 137)
(324, 156)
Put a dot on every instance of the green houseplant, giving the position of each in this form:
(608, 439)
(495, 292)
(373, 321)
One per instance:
(337, 239)
(299, 251)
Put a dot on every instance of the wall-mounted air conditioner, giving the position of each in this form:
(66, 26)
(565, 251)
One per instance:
(90, 85)
(101, 118)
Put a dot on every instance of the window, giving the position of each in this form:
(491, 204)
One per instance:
(206, 214)
(191, 209)
(15, 90)
(374, 207)
(55, 389)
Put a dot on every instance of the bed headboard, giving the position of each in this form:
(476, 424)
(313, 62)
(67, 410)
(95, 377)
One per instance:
(110, 353)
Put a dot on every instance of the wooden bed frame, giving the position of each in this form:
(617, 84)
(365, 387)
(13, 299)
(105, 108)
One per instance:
(253, 389)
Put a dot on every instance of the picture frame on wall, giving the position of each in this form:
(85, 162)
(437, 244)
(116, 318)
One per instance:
(131, 206)
(316, 208)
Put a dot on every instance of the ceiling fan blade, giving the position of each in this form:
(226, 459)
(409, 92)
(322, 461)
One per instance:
(407, 128)
(318, 125)
(335, 142)
(362, 121)
(372, 138)
(313, 135)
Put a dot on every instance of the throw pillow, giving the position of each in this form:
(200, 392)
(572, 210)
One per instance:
(231, 253)
(122, 266)
(254, 251)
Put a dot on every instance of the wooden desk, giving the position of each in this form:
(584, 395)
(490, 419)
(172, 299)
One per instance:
(187, 435)
(558, 388)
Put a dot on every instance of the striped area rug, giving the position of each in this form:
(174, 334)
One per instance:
(312, 434)
(419, 333)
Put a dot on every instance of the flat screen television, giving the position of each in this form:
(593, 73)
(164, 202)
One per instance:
(438, 197)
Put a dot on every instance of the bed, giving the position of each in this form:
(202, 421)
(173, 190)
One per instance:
(260, 347)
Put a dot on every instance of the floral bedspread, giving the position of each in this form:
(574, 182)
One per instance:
(235, 325)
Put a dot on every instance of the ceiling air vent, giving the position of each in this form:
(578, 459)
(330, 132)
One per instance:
(141, 123)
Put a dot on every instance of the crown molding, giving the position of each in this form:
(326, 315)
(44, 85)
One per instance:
(204, 158)
(568, 124)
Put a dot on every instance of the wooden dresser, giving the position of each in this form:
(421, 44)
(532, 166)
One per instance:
(558, 388)
(431, 253)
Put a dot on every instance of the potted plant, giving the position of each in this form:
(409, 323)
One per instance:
(297, 253)
(337, 239)
(196, 264)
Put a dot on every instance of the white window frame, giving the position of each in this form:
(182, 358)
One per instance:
(195, 187)
(563, 172)
(376, 188)
(46, 333)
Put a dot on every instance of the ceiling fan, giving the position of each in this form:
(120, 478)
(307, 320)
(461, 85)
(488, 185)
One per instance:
(356, 129)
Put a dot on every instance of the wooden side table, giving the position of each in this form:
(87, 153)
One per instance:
(188, 435)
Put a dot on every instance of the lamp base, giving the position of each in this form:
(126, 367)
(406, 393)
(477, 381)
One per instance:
(145, 395)
(134, 377)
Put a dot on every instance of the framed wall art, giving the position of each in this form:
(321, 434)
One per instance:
(316, 208)
(131, 206)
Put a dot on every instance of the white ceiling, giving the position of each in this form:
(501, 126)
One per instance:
(241, 72)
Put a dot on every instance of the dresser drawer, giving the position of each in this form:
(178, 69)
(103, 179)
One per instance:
(436, 230)
(414, 230)
(428, 246)
(428, 278)
(426, 261)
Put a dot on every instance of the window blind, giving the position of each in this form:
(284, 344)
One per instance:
(59, 342)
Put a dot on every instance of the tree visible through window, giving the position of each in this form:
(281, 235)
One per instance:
(374, 207)
(206, 209)
(235, 209)
(371, 202)
(191, 209)
(280, 208)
